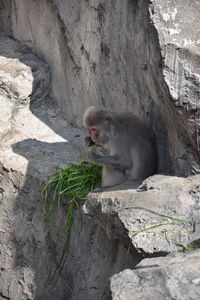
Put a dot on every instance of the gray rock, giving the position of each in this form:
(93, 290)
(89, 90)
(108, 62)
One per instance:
(138, 56)
(35, 138)
(178, 29)
(161, 216)
(160, 278)
(31, 149)
(117, 54)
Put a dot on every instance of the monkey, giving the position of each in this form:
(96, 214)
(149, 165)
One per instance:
(127, 144)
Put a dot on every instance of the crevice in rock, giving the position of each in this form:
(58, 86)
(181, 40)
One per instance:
(4, 297)
(97, 258)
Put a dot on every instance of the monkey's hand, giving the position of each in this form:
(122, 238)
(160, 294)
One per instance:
(89, 142)
(92, 155)
(113, 161)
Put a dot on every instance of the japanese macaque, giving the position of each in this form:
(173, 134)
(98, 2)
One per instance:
(128, 150)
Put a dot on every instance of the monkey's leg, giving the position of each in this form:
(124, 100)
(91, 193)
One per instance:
(108, 160)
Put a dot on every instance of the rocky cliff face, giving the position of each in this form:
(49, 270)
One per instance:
(130, 55)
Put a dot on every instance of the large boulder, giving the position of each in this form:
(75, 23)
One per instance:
(161, 216)
(160, 278)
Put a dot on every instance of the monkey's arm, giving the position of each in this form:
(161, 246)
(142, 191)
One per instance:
(108, 160)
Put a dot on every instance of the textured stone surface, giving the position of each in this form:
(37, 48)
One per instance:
(110, 53)
(140, 56)
(160, 279)
(161, 216)
(180, 50)
(31, 149)
(92, 258)
(34, 141)
(178, 28)
(34, 136)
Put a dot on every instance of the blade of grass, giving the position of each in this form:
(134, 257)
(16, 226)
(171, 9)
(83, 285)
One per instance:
(73, 182)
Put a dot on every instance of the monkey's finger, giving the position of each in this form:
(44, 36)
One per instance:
(89, 142)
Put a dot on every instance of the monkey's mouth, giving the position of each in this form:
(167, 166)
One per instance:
(94, 134)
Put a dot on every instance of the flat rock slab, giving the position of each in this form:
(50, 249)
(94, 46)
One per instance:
(160, 216)
(160, 278)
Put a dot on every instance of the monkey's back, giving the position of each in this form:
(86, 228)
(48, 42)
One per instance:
(130, 125)
(137, 142)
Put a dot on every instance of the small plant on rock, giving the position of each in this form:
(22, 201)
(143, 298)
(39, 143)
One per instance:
(70, 185)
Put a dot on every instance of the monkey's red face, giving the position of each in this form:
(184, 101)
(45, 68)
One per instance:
(94, 134)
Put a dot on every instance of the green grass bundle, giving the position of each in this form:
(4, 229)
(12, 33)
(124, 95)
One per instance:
(70, 185)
